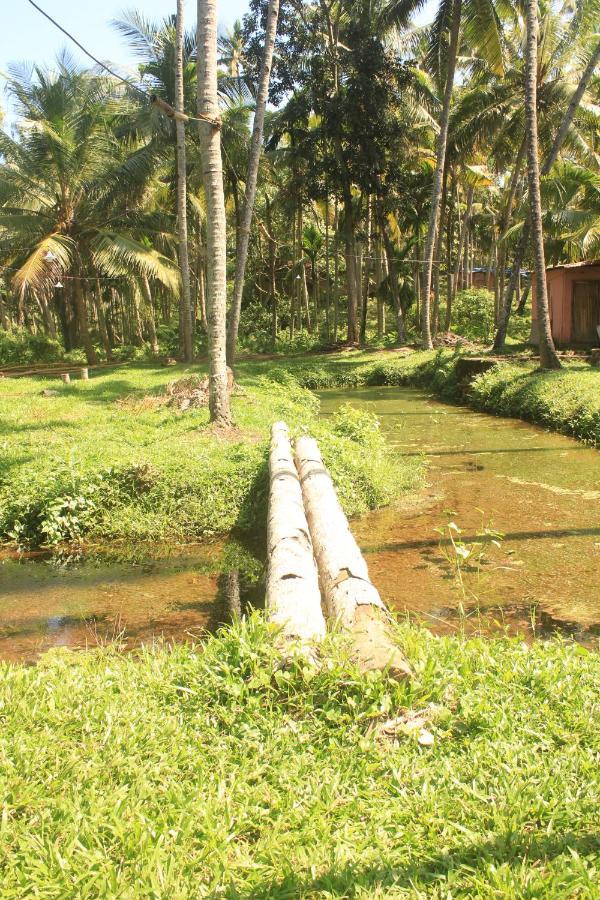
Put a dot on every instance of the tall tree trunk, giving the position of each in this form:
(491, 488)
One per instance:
(367, 266)
(272, 244)
(436, 191)
(336, 271)
(548, 357)
(102, 329)
(185, 306)
(449, 243)
(150, 317)
(327, 272)
(435, 317)
(82, 321)
(462, 253)
(212, 174)
(137, 315)
(393, 279)
(251, 178)
(303, 303)
(548, 163)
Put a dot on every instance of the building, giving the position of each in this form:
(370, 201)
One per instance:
(483, 278)
(574, 300)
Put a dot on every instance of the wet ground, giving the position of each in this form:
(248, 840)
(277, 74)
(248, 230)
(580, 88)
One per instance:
(525, 508)
(540, 491)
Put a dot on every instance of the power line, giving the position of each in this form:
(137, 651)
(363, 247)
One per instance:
(156, 101)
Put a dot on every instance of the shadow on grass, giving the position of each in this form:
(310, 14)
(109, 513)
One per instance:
(514, 850)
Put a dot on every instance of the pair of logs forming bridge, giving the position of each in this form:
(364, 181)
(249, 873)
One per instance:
(312, 552)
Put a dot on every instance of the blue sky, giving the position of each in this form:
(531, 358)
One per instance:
(27, 36)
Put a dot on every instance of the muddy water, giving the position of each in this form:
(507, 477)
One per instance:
(540, 490)
(158, 593)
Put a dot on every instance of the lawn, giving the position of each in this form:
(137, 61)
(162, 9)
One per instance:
(213, 773)
(101, 460)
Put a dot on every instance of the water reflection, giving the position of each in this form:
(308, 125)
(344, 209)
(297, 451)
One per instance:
(129, 596)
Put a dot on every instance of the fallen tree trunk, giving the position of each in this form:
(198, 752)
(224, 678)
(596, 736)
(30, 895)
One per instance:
(293, 599)
(349, 595)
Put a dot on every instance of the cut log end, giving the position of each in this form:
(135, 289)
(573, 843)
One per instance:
(373, 648)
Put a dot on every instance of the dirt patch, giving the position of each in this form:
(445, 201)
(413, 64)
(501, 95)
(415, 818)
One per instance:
(189, 392)
(450, 339)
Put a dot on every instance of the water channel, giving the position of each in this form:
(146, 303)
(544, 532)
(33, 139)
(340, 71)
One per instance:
(527, 503)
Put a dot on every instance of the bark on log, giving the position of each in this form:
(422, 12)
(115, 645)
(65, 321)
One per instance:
(348, 593)
(293, 599)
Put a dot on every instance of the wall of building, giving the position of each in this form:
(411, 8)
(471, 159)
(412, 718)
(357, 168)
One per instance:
(560, 298)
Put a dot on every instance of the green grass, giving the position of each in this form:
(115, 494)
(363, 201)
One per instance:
(86, 465)
(99, 462)
(567, 400)
(208, 772)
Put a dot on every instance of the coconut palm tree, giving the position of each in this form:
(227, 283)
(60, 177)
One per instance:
(251, 177)
(167, 70)
(71, 193)
(216, 226)
(548, 357)
(481, 31)
(184, 262)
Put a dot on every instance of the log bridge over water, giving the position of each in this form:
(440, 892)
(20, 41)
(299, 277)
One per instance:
(316, 570)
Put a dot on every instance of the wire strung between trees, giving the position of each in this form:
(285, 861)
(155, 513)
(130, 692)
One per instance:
(64, 277)
(152, 98)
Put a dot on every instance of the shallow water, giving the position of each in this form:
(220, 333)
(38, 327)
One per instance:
(176, 593)
(540, 490)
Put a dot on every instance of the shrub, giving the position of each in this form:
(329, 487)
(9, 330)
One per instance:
(473, 314)
(20, 347)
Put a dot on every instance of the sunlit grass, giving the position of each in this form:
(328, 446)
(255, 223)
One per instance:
(211, 772)
(99, 459)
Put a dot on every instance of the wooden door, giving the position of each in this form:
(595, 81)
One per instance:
(586, 311)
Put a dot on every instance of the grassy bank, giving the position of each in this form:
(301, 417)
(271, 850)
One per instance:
(209, 773)
(567, 400)
(103, 459)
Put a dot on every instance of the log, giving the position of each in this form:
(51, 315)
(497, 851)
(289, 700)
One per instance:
(293, 599)
(350, 598)
(66, 377)
(84, 372)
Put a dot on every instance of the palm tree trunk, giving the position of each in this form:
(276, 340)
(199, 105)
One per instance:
(212, 173)
(327, 271)
(462, 253)
(150, 317)
(251, 178)
(393, 279)
(366, 273)
(548, 357)
(548, 163)
(436, 191)
(187, 347)
(82, 322)
(336, 270)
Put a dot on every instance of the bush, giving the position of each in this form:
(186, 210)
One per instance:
(473, 314)
(20, 347)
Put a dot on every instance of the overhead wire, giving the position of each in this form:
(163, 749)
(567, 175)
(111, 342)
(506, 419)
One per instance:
(151, 97)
